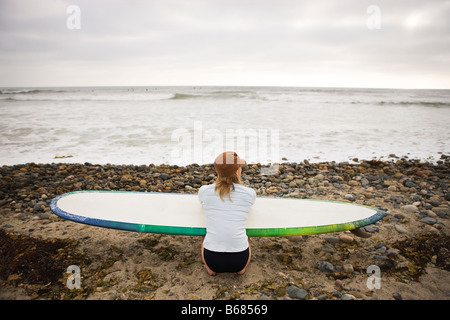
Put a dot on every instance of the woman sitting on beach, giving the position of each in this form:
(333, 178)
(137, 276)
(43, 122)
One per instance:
(226, 204)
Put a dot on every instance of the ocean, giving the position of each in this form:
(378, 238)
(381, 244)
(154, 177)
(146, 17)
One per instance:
(184, 125)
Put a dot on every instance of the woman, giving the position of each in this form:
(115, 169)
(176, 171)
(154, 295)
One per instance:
(226, 204)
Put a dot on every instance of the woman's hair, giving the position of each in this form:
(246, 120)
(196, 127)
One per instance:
(224, 185)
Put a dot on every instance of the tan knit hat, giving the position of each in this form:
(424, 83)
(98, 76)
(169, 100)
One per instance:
(227, 163)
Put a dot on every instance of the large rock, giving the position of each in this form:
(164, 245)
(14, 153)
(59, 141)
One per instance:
(296, 292)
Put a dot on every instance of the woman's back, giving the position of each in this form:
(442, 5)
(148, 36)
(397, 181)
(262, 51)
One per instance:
(226, 219)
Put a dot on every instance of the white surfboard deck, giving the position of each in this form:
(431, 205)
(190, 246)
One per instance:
(182, 214)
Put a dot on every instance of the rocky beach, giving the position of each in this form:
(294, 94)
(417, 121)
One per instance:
(409, 247)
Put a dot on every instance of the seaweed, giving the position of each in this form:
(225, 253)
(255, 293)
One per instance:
(165, 253)
(147, 282)
(423, 250)
(35, 261)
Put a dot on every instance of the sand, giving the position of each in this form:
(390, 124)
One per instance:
(412, 254)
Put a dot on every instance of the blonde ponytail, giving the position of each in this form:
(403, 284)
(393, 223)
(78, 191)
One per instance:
(224, 185)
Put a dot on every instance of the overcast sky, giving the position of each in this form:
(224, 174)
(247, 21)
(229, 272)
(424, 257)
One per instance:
(333, 43)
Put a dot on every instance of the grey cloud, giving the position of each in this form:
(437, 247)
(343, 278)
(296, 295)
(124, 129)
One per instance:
(289, 36)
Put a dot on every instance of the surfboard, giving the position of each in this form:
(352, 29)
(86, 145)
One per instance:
(182, 214)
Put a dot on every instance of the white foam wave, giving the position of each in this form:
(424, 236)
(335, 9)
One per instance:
(137, 127)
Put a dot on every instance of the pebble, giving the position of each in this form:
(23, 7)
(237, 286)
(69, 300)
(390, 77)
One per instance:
(319, 177)
(428, 220)
(364, 182)
(295, 292)
(325, 266)
(328, 248)
(409, 184)
(347, 296)
(442, 214)
(44, 215)
(349, 197)
(339, 283)
(410, 208)
(332, 239)
(346, 238)
(441, 208)
(431, 214)
(392, 188)
(354, 183)
(348, 268)
(371, 229)
(397, 296)
(380, 258)
(381, 250)
(400, 229)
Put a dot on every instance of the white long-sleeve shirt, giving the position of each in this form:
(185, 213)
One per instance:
(225, 220)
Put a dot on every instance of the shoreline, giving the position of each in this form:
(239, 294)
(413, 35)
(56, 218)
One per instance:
(125, 265)
(438, 157)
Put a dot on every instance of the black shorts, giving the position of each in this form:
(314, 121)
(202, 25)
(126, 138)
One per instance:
(226, 261)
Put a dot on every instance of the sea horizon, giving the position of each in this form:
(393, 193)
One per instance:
(225, 86)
